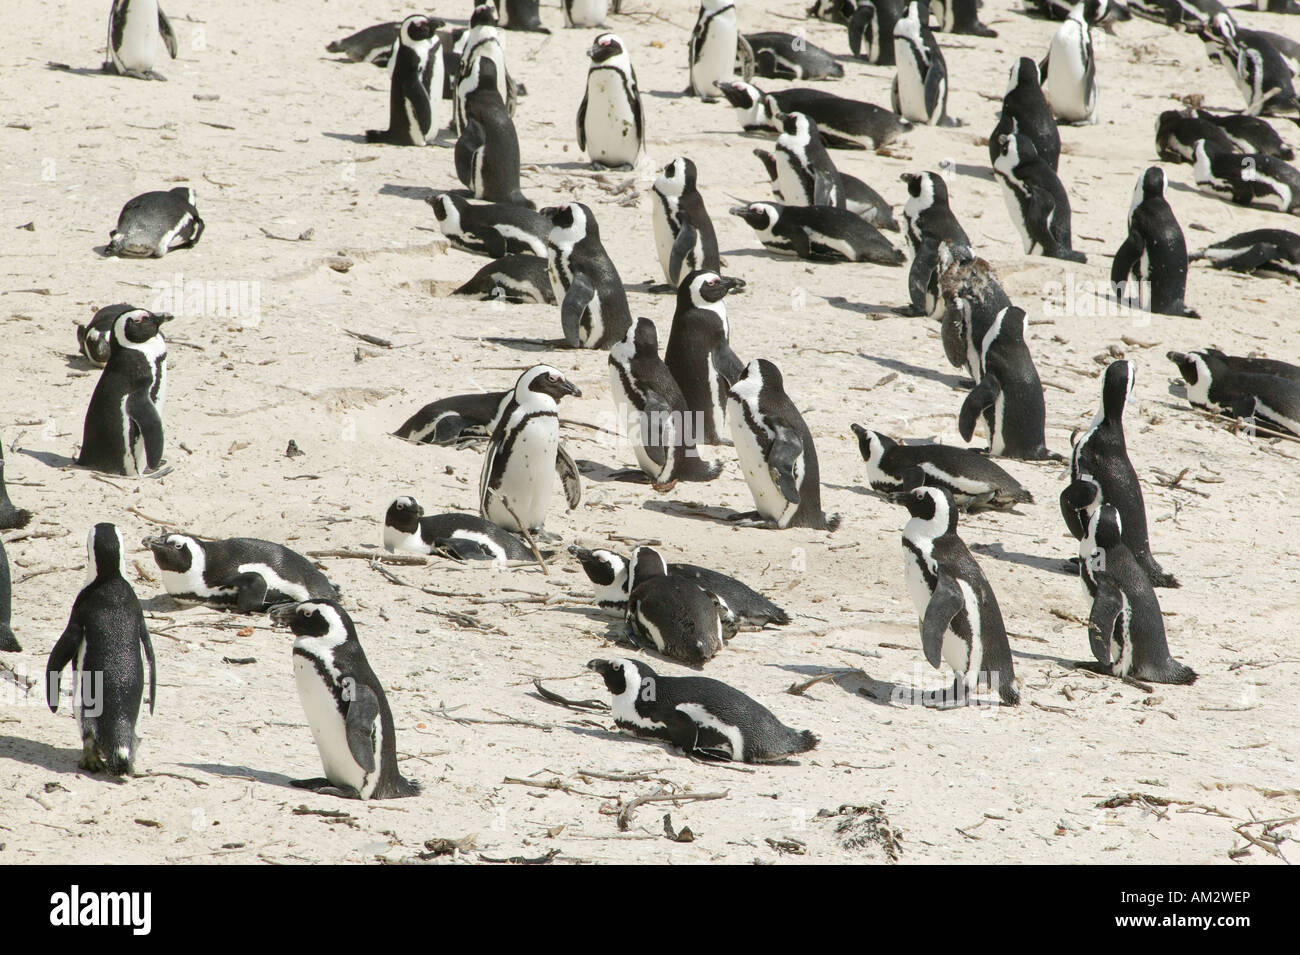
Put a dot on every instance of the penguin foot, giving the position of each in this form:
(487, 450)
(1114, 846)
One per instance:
(154, 75)
(8, 642)
(324, 787)
(750, 519)
(663, 488)
(13, 518)
(316, 782)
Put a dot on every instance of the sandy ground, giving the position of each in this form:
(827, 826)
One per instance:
(265, 127)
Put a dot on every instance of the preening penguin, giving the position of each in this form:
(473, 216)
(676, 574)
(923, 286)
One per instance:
(133, 27)
(155, 223)
(970, 297)
(593, 303)
(672, 615)
(700, 716)
(961, 623)
(611, 129)
(345, 705)
(415, 78)
(684, 236)
(102, 642)
(252, 575)
(1154, 254)
(776, 452)
(699, 355)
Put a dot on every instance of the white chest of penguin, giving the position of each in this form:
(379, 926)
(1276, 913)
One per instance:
(530, 472)
(610, 123)
(327, 726)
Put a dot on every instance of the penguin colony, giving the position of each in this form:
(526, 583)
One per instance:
(700, 414)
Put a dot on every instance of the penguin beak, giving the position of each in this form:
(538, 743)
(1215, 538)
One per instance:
(741, 211)
(579, 552)
(569, 388)
(599, 666)
(282, 614)
(1176, 357)
(152, 542)
(161, 317)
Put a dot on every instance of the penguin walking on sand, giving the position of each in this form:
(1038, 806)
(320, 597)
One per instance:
(684, 236)
(961, 623)
(11, 518)
(593, 303)
(487, 152)
(1070, 70)
(123, 432)
(346, 708)
(1100, 455)
(1036, 200)
(1155, 253)
(102, 642)
(776, 452)
(920, 90)
(133, 28)
(657, 421)
(1009, 394)
(1025, 111)
(699, 355)
(712, 48)
(415, 78)
(702, 717)
(1125, 627)
(524, 455)
(456, 535)
(611, 129)
(672, 615)
(805, 173)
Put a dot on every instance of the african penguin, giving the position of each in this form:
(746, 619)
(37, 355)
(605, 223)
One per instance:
(970, 298)
(524, 455)
(1241, 392)
(776, 452)
(248, 574)
(415, 84)
(1178, 130)
(487, 151)
(491, 229)
(11, 518)
(871, 30)
(920, 89)
(123, 431)
(459, 536)
(1249, 134)
(843, 123)
(702, 717)
(699, 355)
(928, 222)
(456, 420)
(1154, 254)
(585, 13)
(972, 479)
(345, 705)
(102, 642)
(961, 623)
(672, 615)
(1246, 180)
(133, 26)
(960, 16)
(8, 642)
(593, 303)
(684, 236)
(1261, 73)
(512, 278)
(712, 48)
(95, 337)
(859, 198)
(374, 44)
(819, 233)
(611, 129)
(521, 15)
(1036, 200)
(805, 173)
(1069, 70)
(1273, 252)
(155, 223)
(482, 41)
(1025, 111)
(653, 413)
(784, 56)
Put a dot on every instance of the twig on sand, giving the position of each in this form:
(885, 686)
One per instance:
(661, 795)
(445, 713)
(159, 772)
(528, 538)
(579, 705)
(401, 559)
(558, 785)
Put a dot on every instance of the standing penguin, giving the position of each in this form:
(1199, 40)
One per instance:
(684, 236)
(928, 223)
(920, 90)
(123, 431)
(8, 642)
(1036, 200)
(345, 705)
(1100, 455)
(132, 49)
(1025, 111)
(487, 152)
(1009, 395)
(961, 623)
(610, 125)
(712, 48)
(776, 452)
(662, 429)
(960, 16)
(593, 303)
(1155, 253)
(415, 91)
(699, 355)
(1125, 627)
(11, 518)
(522, 15)
(971, 298)
(102, 642)
(585, 13)
(482, 41)
(805, 173)
(524, 455)
(871, 30)
(1069, 69)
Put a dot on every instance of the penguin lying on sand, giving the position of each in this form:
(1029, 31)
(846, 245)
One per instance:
(253, 575)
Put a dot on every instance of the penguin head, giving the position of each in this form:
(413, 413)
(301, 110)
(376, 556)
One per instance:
(677, 177)
(1194, 369)
(769, 166)
(1104, 12)
(105, 555)
(798, 126)
(1116, 386)
(764, 375)
(418, 28)
(761, 216)
(646, 564)
(544, 380)
(1105, 527)
(925, 189)
(932, 507)
(1024, 75)
(704, 288)
(715, 6)
(571, 222)
(872, 444)
(175, 553)
(132, 329)
(602, 567)
(1009, 326)
(643, 338)
(1220, 29)
(315, 619)
(1151, 185)
(446, 208)
(741, 95)
(1015, 149)
(622, 675)
(607, 47)
(404, 515)
(484, 15)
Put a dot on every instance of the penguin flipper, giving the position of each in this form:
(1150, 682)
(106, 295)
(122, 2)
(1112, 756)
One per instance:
(982, 396)
(681, 259)
(945, 603)
(745, 57)
(250, 591)
(153, 676)
(168, 34)
(417, 96)
(576, 299)
(1107, 605)
(144, 414)
(1125, 258)
(826, 190)
(582, 124)
(64, 652)
(860, 29)
(570, 478)
(359, 724)
(1042, 68)
(657, 431)
(783, 458)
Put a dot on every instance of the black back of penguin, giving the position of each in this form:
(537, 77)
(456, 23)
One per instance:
(1025, 111)
(1009, 394)
(1154, 252)
(488, 148)
(123, 430)
(585, 274)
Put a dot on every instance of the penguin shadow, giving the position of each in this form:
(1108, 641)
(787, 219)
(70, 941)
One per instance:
(862, 308)
(49, 458)
(57, 759)
(694, 511)
(79, 362)
(601, 473)
(651, 288)
(759, 253)
(1049, 565)
(856, 489)
(952, 381)
(420, 193)
(851, 680)
(975, 172)
(166, 603)
(675, 94)
(578, 166)
(349, 137)
(591, 613)
(261, 775)
(78, 70)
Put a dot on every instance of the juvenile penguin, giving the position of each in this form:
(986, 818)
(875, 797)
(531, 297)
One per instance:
(458, 535)
(1243, 391)
(776, 452)
(585, 13)
(494, 229)
(784, 56)
(611, 129)
(972, 479)
(1069, 70)
(374, 44)
(248, 574)
(155, 223)
(712, 48)
(805, 173)
(702, 717)
(1100, 455)
(133, 27)
(871, 30)
(684, 236)
(1009, 395)
(920, 90)
(11, 518)
(346, 708)
(1125, 627)
(961, 623)
(102, 642)
(524, 455)
(1154, 254)
(818, 233)
(699, 355)
(960, 16)
(672, 615)
(516, 279)
(1246, 180)
(970, 297)
(455, 420)
(1273, 252)
(593, 303)
(1025, 111)
(487, 151)
(415, 84)
(1036, 200)
(843, 123)
(123, 431)
(661, 428)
